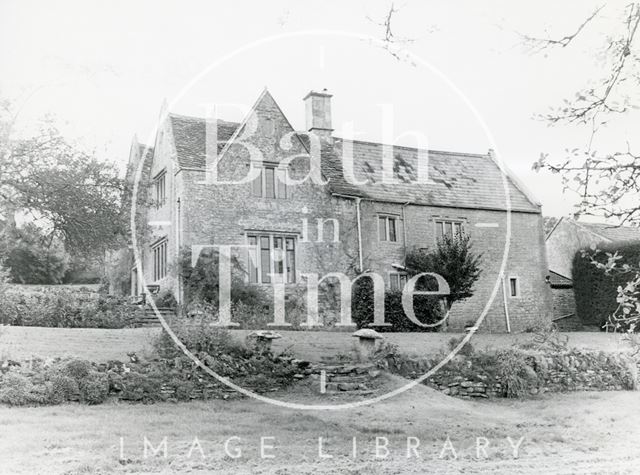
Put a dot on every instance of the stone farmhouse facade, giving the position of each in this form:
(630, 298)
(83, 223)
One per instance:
(374, 222)
(566, 238)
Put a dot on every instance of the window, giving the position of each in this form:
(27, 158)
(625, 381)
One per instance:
(271, 183)
(449, 228)
(397, 280)
(271, 254)
(387, 228)
(514, 287)
(159, 251)
(159, 183)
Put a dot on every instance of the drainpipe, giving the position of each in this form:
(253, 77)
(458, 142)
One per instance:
(506, 307)
(178, 251)
(358, 200)
(404, 233)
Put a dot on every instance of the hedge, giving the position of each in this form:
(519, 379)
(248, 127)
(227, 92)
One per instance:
(66, 308)
(595, 291)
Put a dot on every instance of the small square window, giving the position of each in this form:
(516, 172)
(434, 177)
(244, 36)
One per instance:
(397, 280)
(514, 287)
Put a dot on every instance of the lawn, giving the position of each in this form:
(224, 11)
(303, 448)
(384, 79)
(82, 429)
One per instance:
(583, 432)
(102, 345)
(563, 433)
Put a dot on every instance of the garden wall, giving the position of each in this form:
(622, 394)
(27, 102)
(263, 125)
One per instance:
(514, 373)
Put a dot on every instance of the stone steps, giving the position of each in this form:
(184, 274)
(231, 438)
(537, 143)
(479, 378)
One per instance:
(149, 319)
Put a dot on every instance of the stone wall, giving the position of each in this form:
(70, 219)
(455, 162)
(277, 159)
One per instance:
(526, 259)
(573, 370)
(563, 301)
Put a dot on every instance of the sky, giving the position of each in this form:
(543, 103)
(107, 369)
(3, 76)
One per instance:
(103, 70)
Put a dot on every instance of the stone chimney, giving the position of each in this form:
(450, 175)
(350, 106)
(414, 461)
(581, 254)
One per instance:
(318, 113)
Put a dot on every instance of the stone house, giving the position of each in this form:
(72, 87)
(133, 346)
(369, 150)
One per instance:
(356, 221)
(566, 238)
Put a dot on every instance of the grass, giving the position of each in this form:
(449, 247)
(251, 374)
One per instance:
(101, 345)
(562, 433)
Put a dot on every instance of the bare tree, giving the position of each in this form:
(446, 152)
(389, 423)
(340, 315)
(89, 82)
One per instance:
(608, 183)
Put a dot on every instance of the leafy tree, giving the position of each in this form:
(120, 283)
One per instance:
(454, 260)
(67, 191)
(33, 258)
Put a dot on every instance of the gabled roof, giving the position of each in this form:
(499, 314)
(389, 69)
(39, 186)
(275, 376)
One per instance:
(137, 152)
(613, 233)
(461, 180)
(189, 134)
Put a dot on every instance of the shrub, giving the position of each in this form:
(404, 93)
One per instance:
(62, 388)
(201, 282)
(198, 336)
(18, 390)
(515, 373)
(77, 369)
(454, 260)
(596, 290)
(427, 309)
(65, 308)
(546, 337)
(94, 389)
(166, 299)
(466, 350)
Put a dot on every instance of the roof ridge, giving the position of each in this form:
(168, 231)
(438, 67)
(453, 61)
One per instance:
(607, 225)
(405, 147)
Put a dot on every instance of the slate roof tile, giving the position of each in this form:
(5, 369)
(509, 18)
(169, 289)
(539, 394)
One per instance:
(456, 179)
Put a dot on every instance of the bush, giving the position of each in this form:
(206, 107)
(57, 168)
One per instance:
(18, 390)
(596, 291)
(513, 370)
(201, 283)
(62, 388)
(77, 369)
(94, 389)
(427, 309)
(65, 308)
(166, 299)
(466, 350)
(198, 336)
(454, 260)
